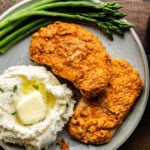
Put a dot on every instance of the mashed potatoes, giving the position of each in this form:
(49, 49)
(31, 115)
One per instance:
(34, 106)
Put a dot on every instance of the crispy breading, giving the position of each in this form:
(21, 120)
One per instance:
(64, 145)
(73, 53)
(96, 119)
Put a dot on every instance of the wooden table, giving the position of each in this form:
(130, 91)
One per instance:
(138, 13)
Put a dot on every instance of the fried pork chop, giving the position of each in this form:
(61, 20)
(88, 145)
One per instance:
(96, 119)
(73, 53)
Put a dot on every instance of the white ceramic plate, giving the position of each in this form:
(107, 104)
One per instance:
(129, 48)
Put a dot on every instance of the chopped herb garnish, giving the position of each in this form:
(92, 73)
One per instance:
(36, 87)
(1, 90)
(14, 113)
(67, 105)
(15, 88)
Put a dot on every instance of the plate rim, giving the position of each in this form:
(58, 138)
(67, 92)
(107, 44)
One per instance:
(144, 58)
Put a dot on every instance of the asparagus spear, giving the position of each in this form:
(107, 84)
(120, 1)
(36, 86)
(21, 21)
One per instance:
(114, 28)
(34, 6)
(100, 15)
(11, 27)
(103, 26)
(75, 4)
(105, 6)
(43, 13)
(121, 23)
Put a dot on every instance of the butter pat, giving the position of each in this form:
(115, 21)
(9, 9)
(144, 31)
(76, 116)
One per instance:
(31, 108)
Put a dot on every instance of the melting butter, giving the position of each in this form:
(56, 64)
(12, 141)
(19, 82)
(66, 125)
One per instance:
(29, 86)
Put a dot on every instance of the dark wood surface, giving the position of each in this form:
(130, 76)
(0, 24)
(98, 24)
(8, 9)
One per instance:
(138, 13)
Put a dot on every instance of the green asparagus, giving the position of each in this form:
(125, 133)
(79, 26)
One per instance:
(105, 15)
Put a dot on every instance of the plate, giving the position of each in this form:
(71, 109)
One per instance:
(129, 47)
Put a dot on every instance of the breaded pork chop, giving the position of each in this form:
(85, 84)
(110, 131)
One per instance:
(73, 53)
(96, 119)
